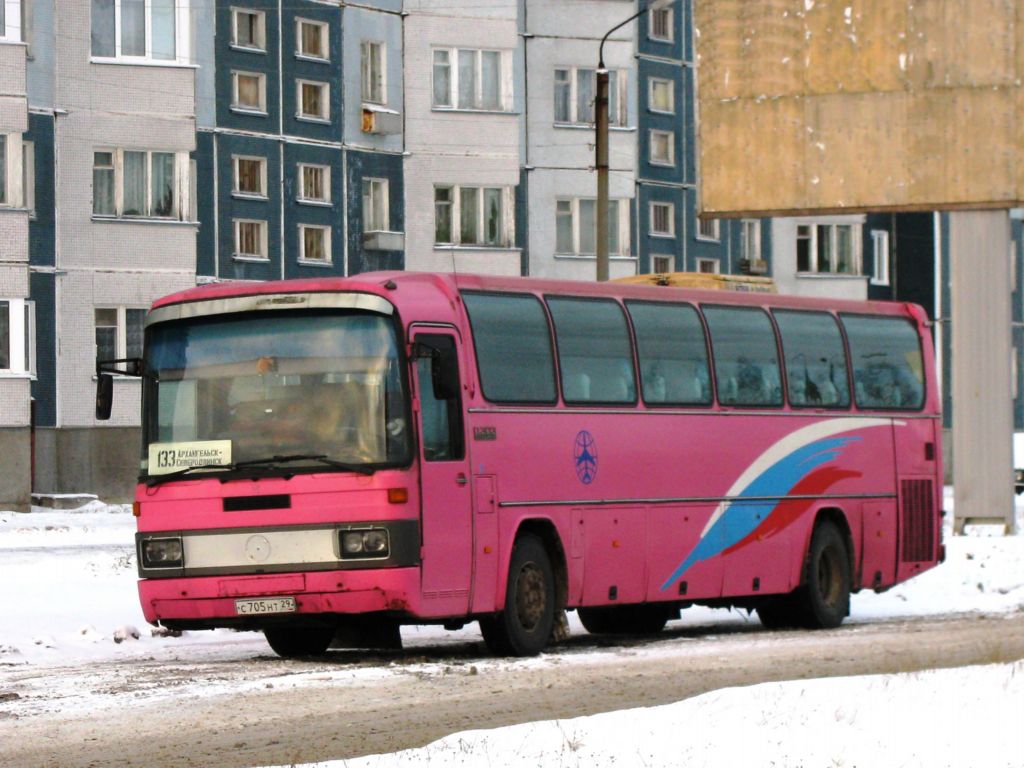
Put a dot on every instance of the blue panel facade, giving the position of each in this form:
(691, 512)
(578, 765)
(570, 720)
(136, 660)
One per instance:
(42, 225)
(295, 67)
(381, 166)
(298, 212)
(231, 59)
(206, 208)
(44, 387)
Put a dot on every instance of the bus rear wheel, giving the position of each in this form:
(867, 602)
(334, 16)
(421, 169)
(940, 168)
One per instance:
(624, 619)
(291, 641)
(825, 595)
(524, 625)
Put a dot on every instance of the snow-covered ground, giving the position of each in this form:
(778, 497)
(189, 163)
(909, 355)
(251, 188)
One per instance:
(68, 596)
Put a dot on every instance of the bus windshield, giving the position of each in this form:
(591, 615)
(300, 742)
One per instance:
(304, 385)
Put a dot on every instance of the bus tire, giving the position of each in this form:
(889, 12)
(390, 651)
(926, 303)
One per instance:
(624, 619)
(291, 641)
(524, 625)
(825, 594)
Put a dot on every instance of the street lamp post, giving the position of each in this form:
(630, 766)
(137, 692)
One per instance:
(601, 141)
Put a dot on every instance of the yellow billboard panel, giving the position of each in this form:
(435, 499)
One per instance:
(808, 106)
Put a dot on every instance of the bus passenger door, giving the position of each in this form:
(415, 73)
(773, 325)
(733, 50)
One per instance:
(447, 527)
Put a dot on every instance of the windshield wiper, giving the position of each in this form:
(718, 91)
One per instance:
(157, 479)
(323, 458)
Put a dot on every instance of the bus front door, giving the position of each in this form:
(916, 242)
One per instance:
(446, 516)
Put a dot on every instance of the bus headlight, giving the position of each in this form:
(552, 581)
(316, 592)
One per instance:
(162, 553)
(368, 543)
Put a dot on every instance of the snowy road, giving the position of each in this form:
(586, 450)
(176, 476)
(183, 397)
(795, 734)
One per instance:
(263, 710)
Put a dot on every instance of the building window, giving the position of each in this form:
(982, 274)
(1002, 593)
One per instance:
(314, 183)
(119, 332)
(660, 21)
(827, 248)
(576, 227)
(250, 239)
(250, 176)
(249, 29)
(375, 205)
(314, 243)
(576, 91)
(473, 216)
(750, 239)
(880, 250)
(661, 96)
(372, 70)
(249, 92)
(135, 29)
(471, 79)
(311, 39)
(661, 264)
(14, 20)
(313, 100)
(17, 336)
(707, 266)
(708, 229)
(663, 219)
(138, 183)
(28, 176)
(663, 148)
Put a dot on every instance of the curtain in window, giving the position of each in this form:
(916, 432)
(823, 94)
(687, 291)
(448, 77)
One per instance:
(373, 80)
(313, 183)
(824, 248)
(467, 79)
(249, 91)
(490, 80)
(249, 241)
(468, 215)
(163, 184)
(106, 334)
(313, 244)
(588, 226)
(442, 215)
(103, 183)
(135, 320)
(5, 335)
(312, 40)
(563, 94)
(249, 177)
(163, 29)
(844, 249)
(614, 118)
(492, 217)
(134, 184)
(246, 30)
(374, 206)
(133, 27)
(585, 82)
(613, 226)
(442, 79)
(313, 100)
(103, 28)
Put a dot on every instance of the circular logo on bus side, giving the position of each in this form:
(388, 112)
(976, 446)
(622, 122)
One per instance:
(585, 453)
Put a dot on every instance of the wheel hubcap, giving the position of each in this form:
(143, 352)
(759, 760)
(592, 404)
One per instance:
(830, 579)
(530, 596)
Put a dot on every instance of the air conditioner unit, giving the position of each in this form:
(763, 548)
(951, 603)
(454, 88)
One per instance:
(384, 122)
(384, 241)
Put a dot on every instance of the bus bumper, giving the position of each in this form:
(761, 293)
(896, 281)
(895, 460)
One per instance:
(210, 601)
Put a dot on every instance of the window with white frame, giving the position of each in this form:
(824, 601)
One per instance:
(880, 250)
(661, 264)
(139, 183)
(311, 39)
(375, 205)
(248, 29)
(708, 266)
(314, 243)
(372, 72)
(138, 29)
(828, 248)
(576, 91)
(11, 14)
(12, 171)
(661, 95)
(119, 332)
(708, 229)
(660, 24)
(250, 239)
(249, 92)
(663, 219)
(28, 176)
(313, 100)
(750, 239)
(17, 336)
(314, 183)
(250, 175)
(480, 216)
(576, 227)
(467, 78)
(662, 147)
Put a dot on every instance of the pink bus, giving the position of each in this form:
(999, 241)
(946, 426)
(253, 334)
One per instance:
(326, 460)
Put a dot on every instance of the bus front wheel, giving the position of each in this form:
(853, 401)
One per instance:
(523, 627)
(291, 641)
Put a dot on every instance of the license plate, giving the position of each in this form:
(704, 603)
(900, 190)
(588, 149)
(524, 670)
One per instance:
(265, 605)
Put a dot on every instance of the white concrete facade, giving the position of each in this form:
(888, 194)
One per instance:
(468, 150)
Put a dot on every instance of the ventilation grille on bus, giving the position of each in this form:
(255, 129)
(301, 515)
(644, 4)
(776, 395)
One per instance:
(918, 519)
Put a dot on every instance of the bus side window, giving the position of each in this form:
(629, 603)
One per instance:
(673, 354)
(816, 366)
(745, 355)
(441, 419)
(888, 369)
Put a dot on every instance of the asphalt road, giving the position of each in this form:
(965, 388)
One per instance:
(267, 711)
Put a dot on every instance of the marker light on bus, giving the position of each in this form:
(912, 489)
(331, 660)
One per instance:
(162, 553)
(370, 543)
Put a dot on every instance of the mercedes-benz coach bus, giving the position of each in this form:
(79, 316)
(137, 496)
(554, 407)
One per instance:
(349, 455)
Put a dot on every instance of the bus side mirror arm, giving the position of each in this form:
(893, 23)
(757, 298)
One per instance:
(105, 370)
